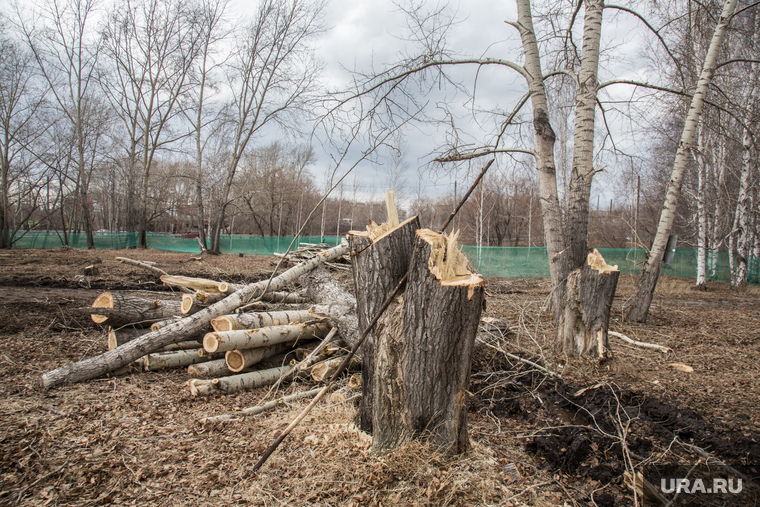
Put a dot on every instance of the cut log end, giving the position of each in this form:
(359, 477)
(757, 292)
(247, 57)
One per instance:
(211, 342)
(105, 300)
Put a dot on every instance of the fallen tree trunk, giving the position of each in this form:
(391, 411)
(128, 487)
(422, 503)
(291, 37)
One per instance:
(423, 349)
(585, 316)
(239, 360)
(126, 310)
(257, 320)
(125, 354)
(262, 337)
(334, 303)
(210, 369)
(235, 383)
(380, 259)
(123, 335)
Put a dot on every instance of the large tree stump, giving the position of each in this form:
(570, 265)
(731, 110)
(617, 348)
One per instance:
(379, 262)
(423, 349)
(585, 316)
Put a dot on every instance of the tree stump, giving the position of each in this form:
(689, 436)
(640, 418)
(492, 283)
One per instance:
(423, 349)
(585, 316)
(379, 263)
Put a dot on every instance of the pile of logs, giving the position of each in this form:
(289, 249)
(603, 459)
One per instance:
(230, 351)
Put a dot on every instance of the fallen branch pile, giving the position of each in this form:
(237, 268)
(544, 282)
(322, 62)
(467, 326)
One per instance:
(307, 251)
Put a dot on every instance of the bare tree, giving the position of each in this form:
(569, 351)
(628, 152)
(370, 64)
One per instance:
(202, 110)
(651, 270)
(20, 103)
(273, 76)
(151, 46)
(66, 51)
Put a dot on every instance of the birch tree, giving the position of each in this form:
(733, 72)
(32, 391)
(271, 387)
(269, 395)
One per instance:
(651, 270)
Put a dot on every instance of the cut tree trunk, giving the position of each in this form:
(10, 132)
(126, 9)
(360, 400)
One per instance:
(256, 320)
(263, 337)
(123, 335)
(379, 262)
(121, 356)
(239, 360)
(423, 350)
(201, 284)
(236, 383)
(134, 311)
(209, 369)
(585, 317)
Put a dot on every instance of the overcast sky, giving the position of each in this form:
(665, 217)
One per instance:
(366, 32)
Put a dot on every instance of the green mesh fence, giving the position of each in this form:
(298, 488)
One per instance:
(520, 262)
(505, 262)
(252, 245)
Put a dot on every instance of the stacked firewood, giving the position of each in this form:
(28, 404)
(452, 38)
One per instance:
(234, 352)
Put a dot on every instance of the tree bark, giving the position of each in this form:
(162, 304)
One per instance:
(333, 303)
(257, 320)
(263, 337)
(423, 353)
(174, 359)
(130, 310)
(585, 315)
(378, 264)
(236, 383)
(125, 354)
(651, 270)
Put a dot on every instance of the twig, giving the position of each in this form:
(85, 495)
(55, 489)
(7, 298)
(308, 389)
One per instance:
(645, 345)
(518, 358)
(710, 459)
(467, 195)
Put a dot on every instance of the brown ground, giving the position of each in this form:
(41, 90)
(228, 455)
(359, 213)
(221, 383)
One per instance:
(137, 440)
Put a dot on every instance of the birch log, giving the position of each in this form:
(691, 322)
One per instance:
(210, 369)
(235, 383)
(174, 359)
(121, 356)
(262, 337)
(260, 319)
(239, 360)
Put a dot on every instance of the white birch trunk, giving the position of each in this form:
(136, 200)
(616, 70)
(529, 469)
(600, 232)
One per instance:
(651, 270)
(699, 156)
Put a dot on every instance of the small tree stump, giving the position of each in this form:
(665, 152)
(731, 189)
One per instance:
(585, 316)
